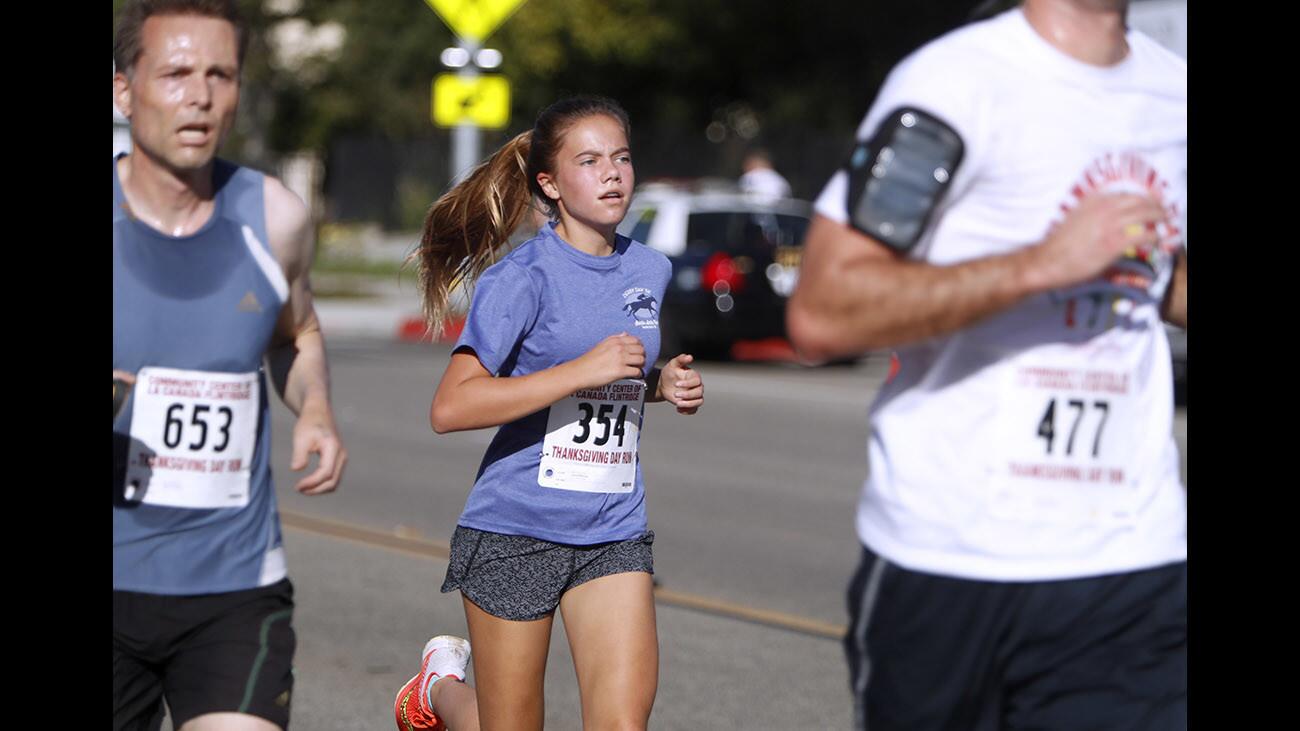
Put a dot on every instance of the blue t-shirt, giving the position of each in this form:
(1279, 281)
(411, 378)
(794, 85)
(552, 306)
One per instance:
(544, 304)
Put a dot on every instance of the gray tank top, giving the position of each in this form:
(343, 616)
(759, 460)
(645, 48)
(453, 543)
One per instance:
(198, 312)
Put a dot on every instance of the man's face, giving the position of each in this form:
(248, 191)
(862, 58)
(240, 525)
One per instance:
(181, 97)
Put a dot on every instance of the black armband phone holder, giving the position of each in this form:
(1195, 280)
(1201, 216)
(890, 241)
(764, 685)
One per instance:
(899, 175)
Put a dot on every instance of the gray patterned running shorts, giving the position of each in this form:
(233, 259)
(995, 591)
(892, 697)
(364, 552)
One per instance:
(521, 579)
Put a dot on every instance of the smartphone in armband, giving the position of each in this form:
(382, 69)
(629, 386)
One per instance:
(898, 177)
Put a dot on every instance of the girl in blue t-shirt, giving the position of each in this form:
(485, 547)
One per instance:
(557, 351)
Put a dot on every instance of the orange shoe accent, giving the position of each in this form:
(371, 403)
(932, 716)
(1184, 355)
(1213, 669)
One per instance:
(410, 710)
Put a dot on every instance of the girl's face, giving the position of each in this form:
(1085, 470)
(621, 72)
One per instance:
(591, 179)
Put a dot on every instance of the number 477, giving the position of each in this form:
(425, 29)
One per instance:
(1047, 425)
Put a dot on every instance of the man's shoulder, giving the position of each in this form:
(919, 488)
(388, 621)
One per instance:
(288, 222)
(963, 52)
(283, 202)
(1155, 58)
(227, 172)
(280, 201)
(949, 77)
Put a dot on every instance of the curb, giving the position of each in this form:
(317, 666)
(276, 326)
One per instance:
(414, 330)
(383, 319)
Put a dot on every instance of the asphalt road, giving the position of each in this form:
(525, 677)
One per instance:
(752, 501)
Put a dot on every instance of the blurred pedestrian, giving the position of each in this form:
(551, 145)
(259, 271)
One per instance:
(210, 267)
(1010, 222)
(558, 352)
(760, 178)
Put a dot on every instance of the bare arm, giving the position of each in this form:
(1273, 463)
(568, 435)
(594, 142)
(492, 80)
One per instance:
(296, 359)
(469, 397)
(1174, 307)
(855, 294)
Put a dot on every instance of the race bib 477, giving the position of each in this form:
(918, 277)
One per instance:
(1067, 439)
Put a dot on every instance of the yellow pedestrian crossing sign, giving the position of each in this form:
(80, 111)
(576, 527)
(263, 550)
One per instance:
(483, 101)
(474, 19)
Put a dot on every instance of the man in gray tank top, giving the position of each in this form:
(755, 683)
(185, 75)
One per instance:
(211, 300)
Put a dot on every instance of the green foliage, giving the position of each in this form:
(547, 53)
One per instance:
(414, 195)
(674, 64)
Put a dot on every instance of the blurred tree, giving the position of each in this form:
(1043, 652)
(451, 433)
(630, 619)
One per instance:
(379, 81)
(701, 79)
(814, 63)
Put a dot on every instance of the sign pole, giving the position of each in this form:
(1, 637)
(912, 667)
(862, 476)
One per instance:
(465, 137)
(468, 101)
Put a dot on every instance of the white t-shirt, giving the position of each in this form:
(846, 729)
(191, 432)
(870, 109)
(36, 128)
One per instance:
(1036, 444)
(765, 182)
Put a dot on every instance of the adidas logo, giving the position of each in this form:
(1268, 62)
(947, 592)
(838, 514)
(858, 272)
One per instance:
(249, 303)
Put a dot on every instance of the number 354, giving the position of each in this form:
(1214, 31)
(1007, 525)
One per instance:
(602, 418)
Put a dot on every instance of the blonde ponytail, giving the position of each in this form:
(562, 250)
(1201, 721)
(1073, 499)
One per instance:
(467, 227)
(469, 224)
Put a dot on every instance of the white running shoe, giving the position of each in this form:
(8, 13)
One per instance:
(444, 656)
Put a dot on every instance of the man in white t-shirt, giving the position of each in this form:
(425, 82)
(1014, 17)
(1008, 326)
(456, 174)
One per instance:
(1012, 223)
(760, 178)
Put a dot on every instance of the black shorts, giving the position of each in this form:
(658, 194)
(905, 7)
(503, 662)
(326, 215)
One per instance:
(933, 652)
(210, 653)
(521, 579)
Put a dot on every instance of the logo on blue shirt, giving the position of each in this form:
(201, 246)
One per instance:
(642, 307)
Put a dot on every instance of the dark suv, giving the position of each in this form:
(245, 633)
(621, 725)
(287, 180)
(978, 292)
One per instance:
(735, 262)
